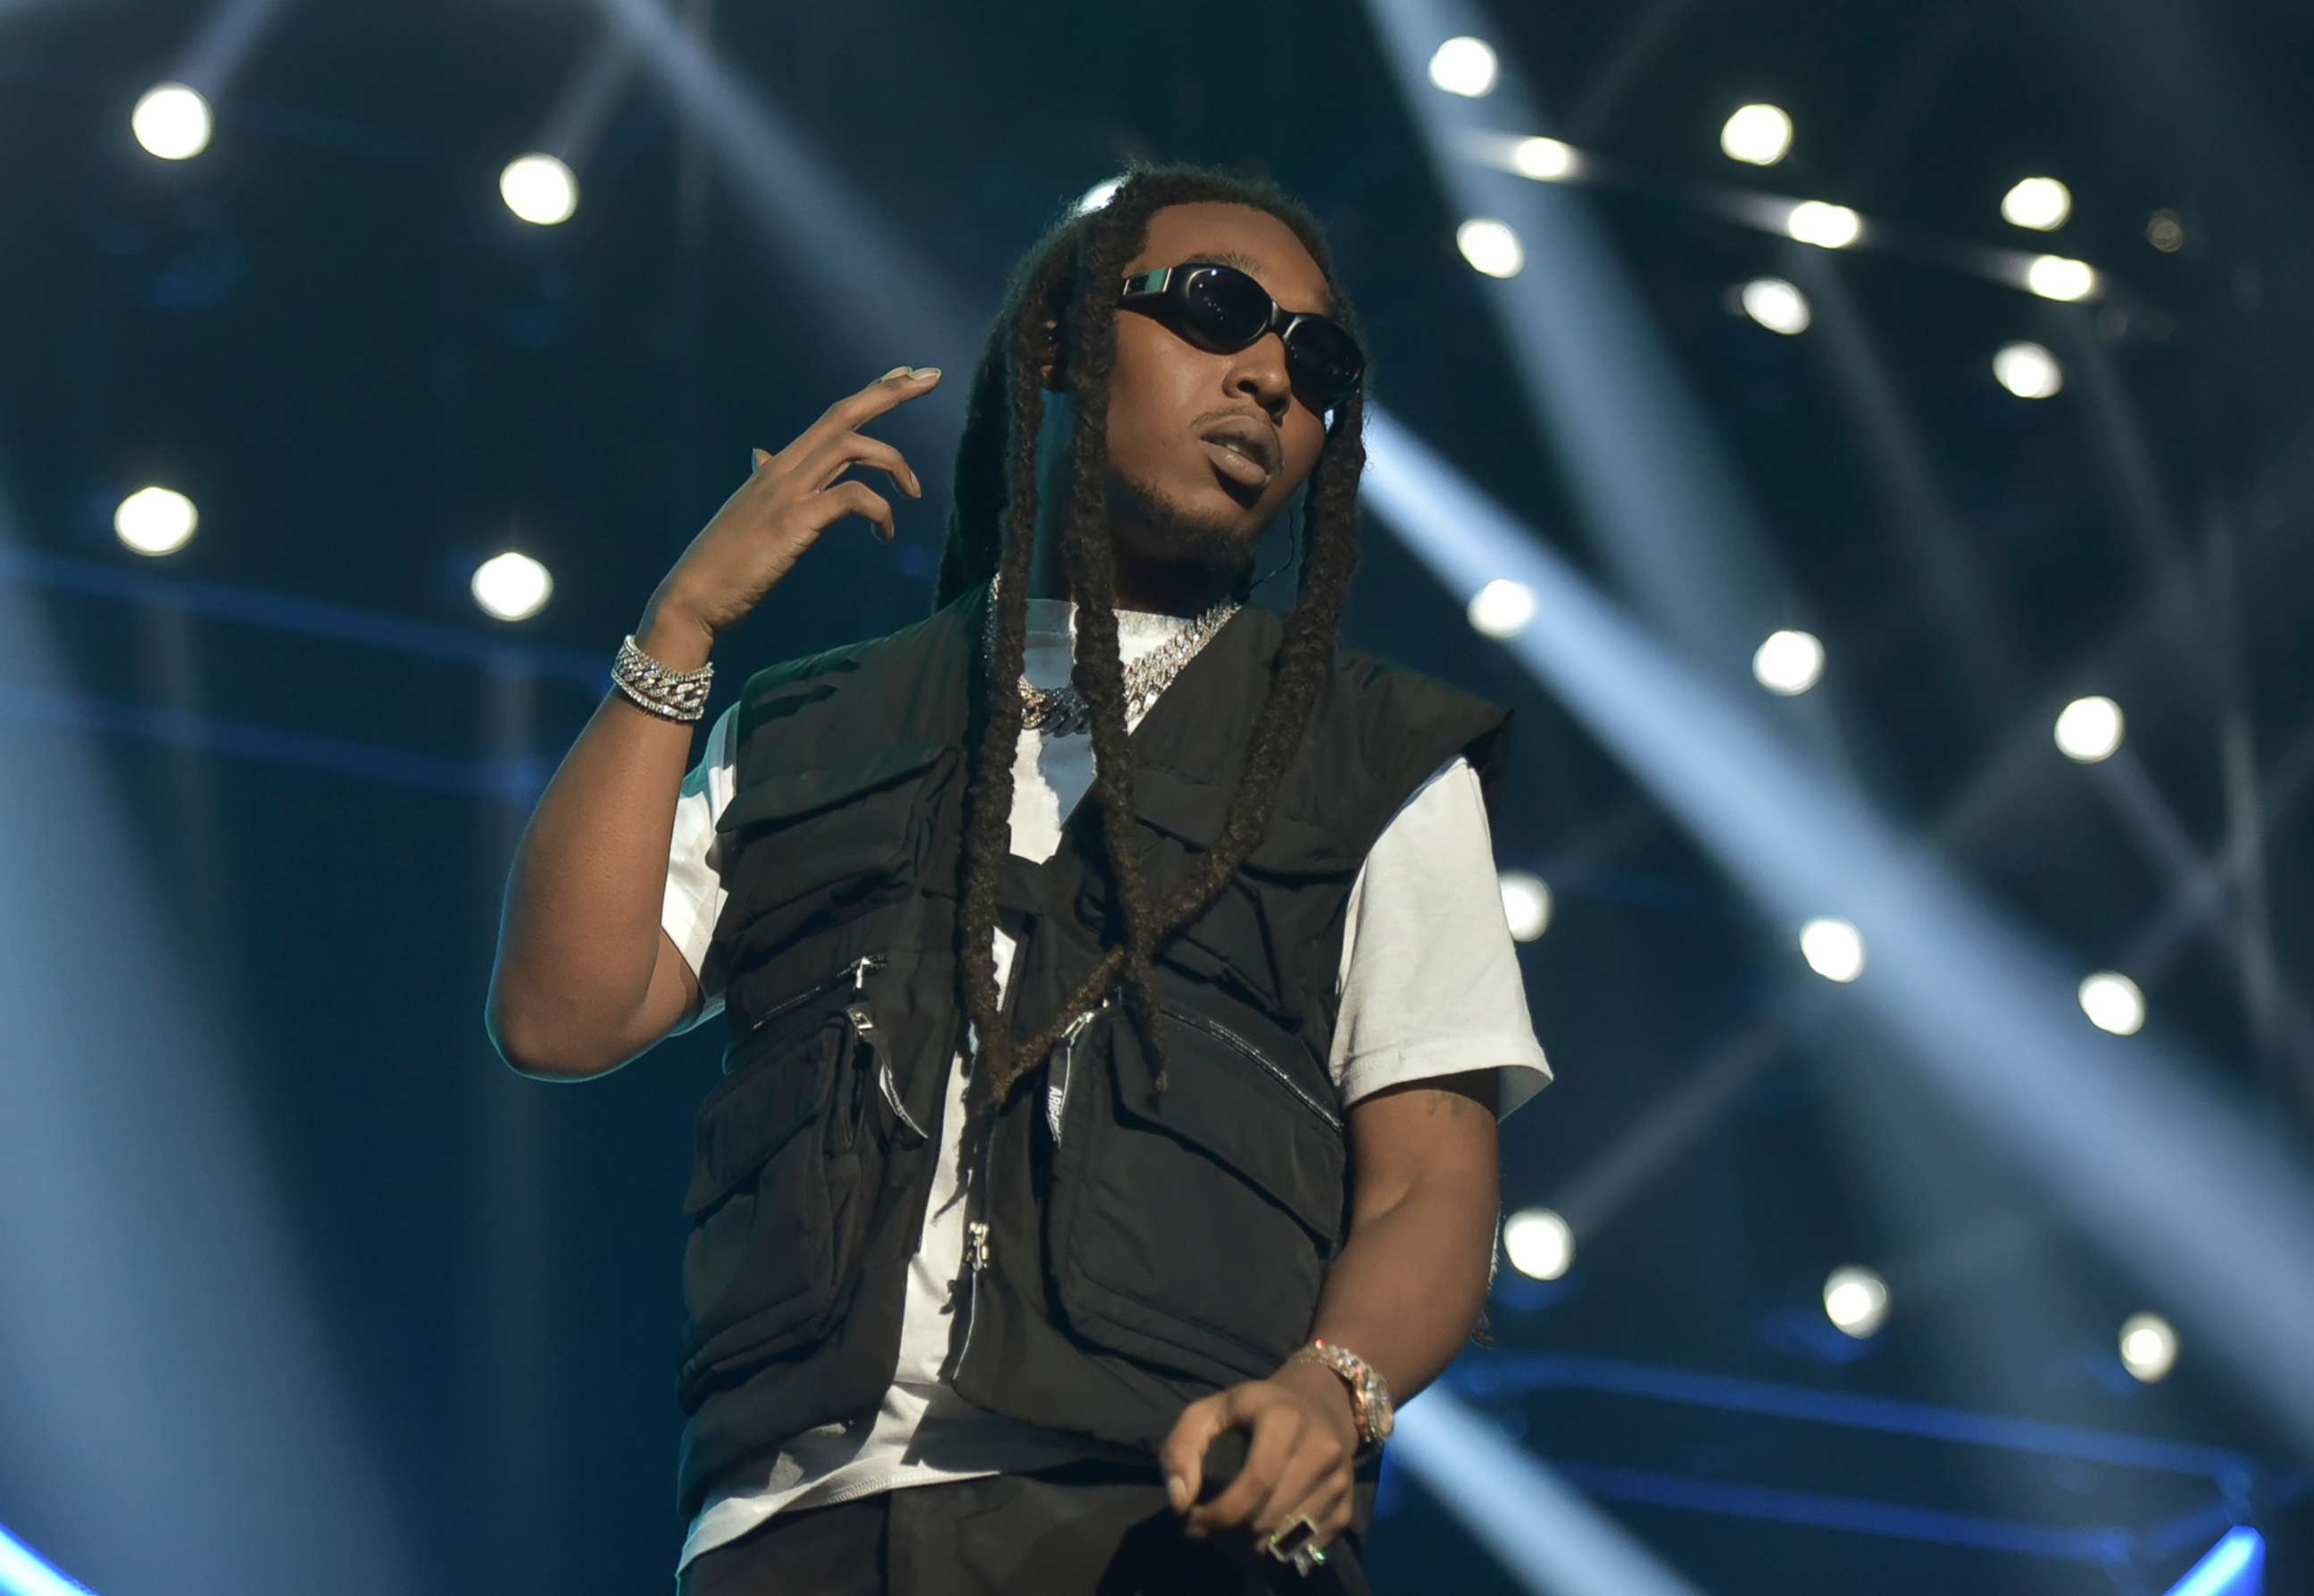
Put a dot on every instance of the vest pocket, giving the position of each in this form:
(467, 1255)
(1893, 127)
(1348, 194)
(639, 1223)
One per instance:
(1192, 1228)
(777, 1197)
(811, 849)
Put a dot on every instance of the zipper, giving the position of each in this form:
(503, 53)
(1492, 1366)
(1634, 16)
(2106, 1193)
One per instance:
(1057, 1095)
(857, 971)
(1213, 1028)
(975, 1254)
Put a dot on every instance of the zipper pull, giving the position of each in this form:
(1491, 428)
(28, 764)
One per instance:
(976, 1253)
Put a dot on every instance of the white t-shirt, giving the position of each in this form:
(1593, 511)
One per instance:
(1429, 985)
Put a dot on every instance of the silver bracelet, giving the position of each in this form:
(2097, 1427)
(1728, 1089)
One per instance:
(666, 692)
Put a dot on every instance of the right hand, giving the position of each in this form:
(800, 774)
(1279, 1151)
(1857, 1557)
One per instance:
(781, 509)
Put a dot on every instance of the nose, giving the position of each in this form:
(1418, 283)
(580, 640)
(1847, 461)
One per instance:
(1258, 372)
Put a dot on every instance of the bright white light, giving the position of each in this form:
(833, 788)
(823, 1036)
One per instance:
(2053, 276)
(1834, 948)
(171, 121)
(539, 189)
(2028, 371)
(1098, 195)
(1789, 662)
(2149, 1346)
(1758, 134)
(1526, 905)
(1463, 66)
(2113, 1003)
(2040, 203)
(1826, 226)
(2089, 730)
(155, 520)
(1855, 1301)
(1490, 246)
(1544, 159)
(512, 587)
(1539, 1243)
(1501, 608)
(1776, 306)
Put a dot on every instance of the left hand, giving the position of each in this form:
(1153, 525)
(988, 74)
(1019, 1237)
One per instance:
(1297, 1458)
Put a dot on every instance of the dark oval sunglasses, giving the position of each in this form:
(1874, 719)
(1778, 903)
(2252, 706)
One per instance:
(1222, 309)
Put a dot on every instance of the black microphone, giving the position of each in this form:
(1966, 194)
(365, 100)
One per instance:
(1338, 1575)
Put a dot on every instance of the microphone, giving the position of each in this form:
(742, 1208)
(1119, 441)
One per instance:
(1338, 1575)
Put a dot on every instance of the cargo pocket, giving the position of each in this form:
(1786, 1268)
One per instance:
(777, 1197)
(808, 850)
(1192, 1228)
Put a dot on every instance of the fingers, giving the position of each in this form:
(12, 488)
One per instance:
(894, 388)
(1278, 1427)
(1183, 1455)
(1309, 1474)
(1327, 1505)
(855, 499)
(845, 450)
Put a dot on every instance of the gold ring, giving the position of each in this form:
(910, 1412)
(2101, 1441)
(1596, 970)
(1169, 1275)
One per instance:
(1278, 1534)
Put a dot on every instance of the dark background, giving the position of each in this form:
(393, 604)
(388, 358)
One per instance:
(303, 1290)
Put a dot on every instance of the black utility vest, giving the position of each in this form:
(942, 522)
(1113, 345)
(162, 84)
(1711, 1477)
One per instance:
(1141, 1249)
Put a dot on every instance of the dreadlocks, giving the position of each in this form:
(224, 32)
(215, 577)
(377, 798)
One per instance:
(1071, 276)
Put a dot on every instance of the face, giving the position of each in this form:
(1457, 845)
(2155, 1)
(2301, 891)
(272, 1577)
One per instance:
(1182, 520)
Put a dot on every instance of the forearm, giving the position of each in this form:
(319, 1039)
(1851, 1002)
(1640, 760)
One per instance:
(580, 931)
(1410, 1284)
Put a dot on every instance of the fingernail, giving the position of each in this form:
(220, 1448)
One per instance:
(889, 376)
(755, 457)
(925, 374)
(1177, 1491)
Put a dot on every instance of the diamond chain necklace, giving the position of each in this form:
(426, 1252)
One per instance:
(1063, 710)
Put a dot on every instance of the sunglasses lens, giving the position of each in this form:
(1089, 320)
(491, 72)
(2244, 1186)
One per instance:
(1228, 307)
(1323, 361)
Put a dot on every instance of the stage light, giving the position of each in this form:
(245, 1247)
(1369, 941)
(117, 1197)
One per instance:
(1834, 948)
(1098, 195)
(2028, 371)
(2166, 232)
(2113, 1003)
(1855, 1301)
(2149, 1346)
(2089, 730)
(1757, 134)
(539, 189)
(155, 520)
(171, 121)
(1539, 1243)
(1526, 905)
(1490, 246)
(2040, 203)
(1826, 226)
(512, 587)
(1545, 160)
(1501, 609)
(1788, 663)
(1776, 306)
(1465, 66)
(2053, 277)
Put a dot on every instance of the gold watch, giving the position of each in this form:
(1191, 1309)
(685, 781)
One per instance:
(1370, 1407)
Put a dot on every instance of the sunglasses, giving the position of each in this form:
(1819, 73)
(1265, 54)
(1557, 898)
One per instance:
(1222, 309)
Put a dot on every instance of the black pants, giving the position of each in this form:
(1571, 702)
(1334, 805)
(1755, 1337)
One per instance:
(1085, 1530)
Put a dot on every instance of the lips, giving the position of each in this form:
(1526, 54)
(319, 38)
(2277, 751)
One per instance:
(1252, 440)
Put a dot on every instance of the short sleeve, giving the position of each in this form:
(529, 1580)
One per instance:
(1430, 981)
(695, 892)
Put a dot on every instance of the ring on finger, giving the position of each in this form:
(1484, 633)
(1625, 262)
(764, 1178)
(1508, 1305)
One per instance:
(1277, 1535)
(1307, 1558)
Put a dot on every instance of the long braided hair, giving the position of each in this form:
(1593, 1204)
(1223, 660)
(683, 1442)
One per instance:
(1070, 275)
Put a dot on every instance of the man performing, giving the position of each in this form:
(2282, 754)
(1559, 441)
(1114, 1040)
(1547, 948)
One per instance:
(1055, 1138)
